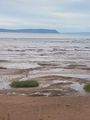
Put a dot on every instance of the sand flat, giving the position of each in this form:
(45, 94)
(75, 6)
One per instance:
(45, 108)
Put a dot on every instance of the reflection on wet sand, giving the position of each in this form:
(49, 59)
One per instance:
(60, 65)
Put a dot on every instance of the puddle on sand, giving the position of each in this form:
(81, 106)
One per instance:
(60, 81)
(17, 65)
(4, 85)
(78, 87)
(46, 84)
(42, 93)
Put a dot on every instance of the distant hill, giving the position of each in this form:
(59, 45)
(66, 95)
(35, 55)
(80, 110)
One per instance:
(30, 30)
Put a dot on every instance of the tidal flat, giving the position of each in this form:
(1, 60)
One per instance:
(60, 63)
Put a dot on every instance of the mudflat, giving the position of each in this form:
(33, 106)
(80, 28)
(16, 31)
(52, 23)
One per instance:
(45, 108)
(59, 63)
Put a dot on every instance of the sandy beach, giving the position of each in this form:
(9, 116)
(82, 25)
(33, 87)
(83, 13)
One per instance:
(45, 108)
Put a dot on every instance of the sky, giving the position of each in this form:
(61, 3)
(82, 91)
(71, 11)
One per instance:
(63, 15)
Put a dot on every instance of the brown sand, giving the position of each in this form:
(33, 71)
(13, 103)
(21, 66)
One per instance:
(45, 108)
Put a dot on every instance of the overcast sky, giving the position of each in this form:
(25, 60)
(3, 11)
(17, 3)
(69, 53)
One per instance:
(63, 15)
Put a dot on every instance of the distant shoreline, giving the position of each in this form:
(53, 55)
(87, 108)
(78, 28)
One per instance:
(30, 31)
(43, 31)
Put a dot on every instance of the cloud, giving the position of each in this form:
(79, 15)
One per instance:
(8, 21)
(59, 14)
(69, 15)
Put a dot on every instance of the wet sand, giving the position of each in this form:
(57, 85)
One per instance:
(61, 64)
(45, 108)
(49, 84)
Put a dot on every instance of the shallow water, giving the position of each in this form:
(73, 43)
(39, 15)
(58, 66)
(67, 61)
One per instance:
(52, 52)
(31, 50)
